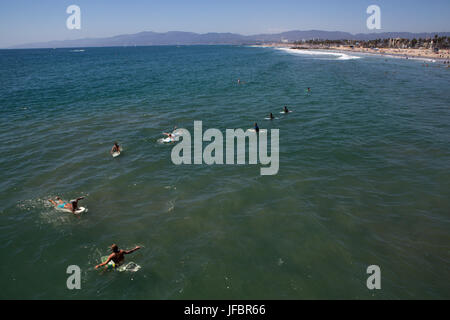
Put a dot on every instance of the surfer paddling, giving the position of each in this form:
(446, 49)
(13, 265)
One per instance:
(72, 205)
(115, 148)
(170, 136)
(117, 256)
(256, 128)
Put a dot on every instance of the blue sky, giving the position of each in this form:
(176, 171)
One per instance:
(23, 21)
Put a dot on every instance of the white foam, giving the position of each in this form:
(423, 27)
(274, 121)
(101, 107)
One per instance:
(339, 55)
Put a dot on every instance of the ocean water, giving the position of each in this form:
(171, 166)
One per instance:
(364, 175)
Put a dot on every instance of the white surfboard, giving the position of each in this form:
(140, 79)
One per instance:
(168, 140)
(78, 211)
(174, 138)
(286, 112)
(130, 266)
(117, 153)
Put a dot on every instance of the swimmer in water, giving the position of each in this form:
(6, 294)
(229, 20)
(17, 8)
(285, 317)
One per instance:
(256, 128)
(309, 89)
(285, 109)
(115, 148)
(72, 205)
(271, 116)
(117, 256)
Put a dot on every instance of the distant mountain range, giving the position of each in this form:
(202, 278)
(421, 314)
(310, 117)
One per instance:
(148, 38)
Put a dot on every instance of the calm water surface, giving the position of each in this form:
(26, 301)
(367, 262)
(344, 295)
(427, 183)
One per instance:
(364, 174)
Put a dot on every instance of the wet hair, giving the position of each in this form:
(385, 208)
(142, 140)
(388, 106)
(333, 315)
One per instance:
(115, 248)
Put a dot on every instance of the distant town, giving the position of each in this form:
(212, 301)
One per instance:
(435, 43)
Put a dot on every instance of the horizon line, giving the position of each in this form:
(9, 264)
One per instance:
(197, 33)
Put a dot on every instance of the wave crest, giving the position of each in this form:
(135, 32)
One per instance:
(313, 52)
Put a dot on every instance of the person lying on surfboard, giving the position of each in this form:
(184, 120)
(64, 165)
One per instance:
(72, 205)
(115, 148)
(170, 136)
(117, 257)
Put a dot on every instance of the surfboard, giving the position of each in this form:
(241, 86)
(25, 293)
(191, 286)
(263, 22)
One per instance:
(287, 112)
(117, 153)
(79, 211)
(260, 130)
(130, 266)
(270, 118)
(167, 140)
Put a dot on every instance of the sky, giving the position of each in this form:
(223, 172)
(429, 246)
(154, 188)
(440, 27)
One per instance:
(27, 21)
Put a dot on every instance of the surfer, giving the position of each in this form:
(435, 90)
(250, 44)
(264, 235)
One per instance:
(72, 205)
(271, 116)
(117, 255)
(309, 89)
(256, 128)
(115, 148)
(285, 109)
(170, 135)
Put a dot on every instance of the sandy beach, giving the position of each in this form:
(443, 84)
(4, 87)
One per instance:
(443, 55)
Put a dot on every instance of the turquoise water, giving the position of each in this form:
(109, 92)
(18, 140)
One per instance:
(364, 175)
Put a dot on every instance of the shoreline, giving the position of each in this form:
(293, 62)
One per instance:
(416, 54)
(427, 55)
